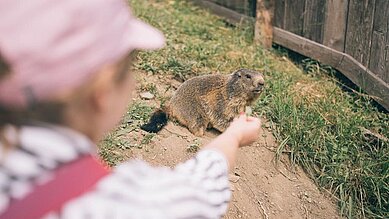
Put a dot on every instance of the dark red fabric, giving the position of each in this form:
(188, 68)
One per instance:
(70, 181)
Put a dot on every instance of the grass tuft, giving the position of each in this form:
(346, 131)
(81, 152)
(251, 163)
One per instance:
(194, 147)
(112, 147)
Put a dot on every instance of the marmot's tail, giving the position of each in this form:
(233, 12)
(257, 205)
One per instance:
(157, 121)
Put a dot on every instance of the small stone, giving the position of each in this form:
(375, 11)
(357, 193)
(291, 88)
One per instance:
(147, 95)
(248, 111)
(293, 194)
(232, 187)
(233, 178)
(309, 200)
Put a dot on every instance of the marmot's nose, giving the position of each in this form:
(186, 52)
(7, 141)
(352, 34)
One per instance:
(261, 81)
(259, 88)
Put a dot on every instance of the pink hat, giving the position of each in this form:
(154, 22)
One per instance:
(54, 46)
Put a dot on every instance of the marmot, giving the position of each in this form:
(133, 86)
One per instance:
(209, 101)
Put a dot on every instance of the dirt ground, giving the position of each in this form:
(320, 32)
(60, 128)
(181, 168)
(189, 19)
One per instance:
(261, 187)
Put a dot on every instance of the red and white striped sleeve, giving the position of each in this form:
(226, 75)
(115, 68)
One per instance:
(198, 188)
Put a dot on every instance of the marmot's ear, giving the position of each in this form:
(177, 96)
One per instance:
(237, 73)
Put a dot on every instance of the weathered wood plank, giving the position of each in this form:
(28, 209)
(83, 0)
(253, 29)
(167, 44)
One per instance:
(263, 32)
(240, 6)
(294, 16)
(314, 17)
(365, 79)
(228, 14)
(378, 55)
(345, 63)
(307, 47)
(252, 5)
(335, 24)
(378, 62)
(359, 29)
(279, 13)
(386, 75)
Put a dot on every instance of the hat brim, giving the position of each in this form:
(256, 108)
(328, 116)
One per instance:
(143, 36)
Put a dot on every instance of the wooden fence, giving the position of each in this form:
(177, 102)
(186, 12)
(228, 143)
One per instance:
(350, 35)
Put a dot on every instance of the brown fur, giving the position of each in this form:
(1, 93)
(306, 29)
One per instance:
(214, 100)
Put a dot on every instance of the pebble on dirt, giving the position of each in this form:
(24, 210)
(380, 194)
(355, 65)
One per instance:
(146, 95)
(233, 178)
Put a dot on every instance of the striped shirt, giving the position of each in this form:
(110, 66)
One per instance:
(198, 188)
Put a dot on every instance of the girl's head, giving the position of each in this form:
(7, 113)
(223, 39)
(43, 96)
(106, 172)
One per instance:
(67, 61)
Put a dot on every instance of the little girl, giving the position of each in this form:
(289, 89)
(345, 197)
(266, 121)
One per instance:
(64, 83)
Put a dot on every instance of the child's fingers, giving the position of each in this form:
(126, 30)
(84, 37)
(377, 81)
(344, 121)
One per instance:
(253, 119)
(250, 118)
(244, 118)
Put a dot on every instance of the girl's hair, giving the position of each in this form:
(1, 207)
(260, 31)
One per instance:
(46, 112)
(4, 67)
(49, 111)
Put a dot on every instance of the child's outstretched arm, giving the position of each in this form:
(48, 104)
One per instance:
(197, 188)
(243, 130)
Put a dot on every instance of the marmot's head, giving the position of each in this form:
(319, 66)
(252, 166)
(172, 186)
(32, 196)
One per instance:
(249, 81)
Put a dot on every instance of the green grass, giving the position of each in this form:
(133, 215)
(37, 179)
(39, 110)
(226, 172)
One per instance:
(193, 147)
(317, 124)
(111, 148)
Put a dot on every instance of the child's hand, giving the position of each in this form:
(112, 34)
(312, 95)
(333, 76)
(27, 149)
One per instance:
(245, 128)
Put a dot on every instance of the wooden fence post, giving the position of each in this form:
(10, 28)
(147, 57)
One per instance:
(263, 32)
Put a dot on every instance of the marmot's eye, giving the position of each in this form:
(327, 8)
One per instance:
(248, 76)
